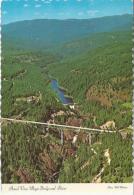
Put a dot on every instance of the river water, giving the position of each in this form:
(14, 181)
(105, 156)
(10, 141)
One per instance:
(61, 93)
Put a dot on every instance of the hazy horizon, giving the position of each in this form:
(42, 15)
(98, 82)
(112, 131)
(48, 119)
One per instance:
(20, 10)
(59, 19)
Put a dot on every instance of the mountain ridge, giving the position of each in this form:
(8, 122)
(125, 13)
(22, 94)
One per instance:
(68, 19)
(44, 33)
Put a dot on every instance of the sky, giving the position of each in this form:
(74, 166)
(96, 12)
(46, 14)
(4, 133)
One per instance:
(17, 10)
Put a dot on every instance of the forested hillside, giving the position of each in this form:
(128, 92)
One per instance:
(36, 34)
(92, 68)
(23, 95)
(100, 80)
(88, 43)
(42, 159)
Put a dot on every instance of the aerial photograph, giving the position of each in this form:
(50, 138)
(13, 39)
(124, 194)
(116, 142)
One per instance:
(66, 86)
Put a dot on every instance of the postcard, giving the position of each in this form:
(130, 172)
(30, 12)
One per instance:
(66, 96)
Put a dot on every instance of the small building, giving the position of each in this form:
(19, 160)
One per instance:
(72, 106)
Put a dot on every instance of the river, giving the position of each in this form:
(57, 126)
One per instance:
(61, 93)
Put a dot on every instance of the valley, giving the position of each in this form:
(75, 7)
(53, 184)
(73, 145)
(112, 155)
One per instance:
(80, 78)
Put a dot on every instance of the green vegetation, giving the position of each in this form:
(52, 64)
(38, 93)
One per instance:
(32, 143)
(120, 168)
(93, 68)
(41, 158)
(100, 80)
(19, 86)
(87, 164)
(18, 34)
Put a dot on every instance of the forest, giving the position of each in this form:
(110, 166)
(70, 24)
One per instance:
(18, 87)
(42, 159)
(95, 70)
(100, 80)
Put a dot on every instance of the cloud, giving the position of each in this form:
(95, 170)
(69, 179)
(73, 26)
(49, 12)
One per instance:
(4, 12)
(26, 5)
(47, 2)
(7, 0)
(92, 12)
(80, 13)
(37, 5)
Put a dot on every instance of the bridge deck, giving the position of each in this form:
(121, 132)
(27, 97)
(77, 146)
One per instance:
(57, 125)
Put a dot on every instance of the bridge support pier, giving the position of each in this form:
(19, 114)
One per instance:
(62, 137)
(90, 139)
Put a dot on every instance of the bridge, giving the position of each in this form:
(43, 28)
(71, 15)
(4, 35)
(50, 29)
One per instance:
(63, 127)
